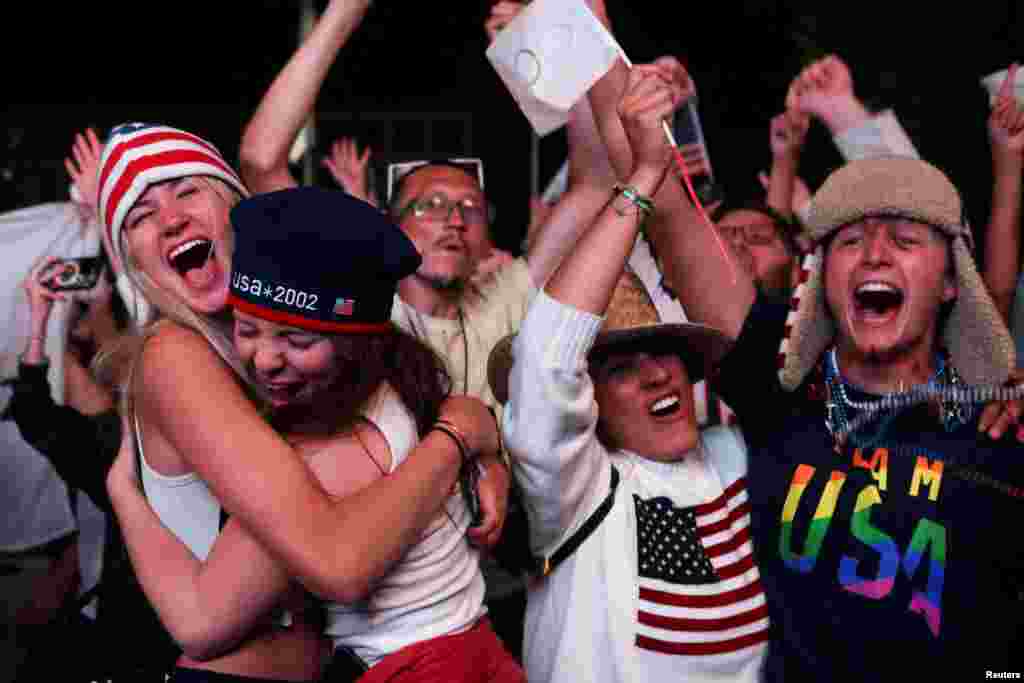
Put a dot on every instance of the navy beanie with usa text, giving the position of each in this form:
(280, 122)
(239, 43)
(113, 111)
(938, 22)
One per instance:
(317, 259)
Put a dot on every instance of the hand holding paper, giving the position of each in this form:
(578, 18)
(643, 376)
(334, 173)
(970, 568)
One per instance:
(549, 56)
(649, 99)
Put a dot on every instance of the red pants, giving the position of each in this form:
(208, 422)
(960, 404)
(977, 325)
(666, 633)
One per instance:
(473, 656)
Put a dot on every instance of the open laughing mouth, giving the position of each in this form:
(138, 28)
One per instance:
(877, 302)
(667, 406)
(191, 260)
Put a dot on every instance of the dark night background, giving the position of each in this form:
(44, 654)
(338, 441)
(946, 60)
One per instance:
(203, 66)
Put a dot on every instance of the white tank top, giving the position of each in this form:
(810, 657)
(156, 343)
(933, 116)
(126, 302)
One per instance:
(435, 589)
(183, 503)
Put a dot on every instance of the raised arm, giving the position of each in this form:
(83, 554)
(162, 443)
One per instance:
(550, 419)
(588, 274)
(825, 90)
(590, 176)
(604, 99)
(325, 543)
(287, 104)
(786, 139)
(711, 287)
(350, 169)
(1002, 242)
(83, 167)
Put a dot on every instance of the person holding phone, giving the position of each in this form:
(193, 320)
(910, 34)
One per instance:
(80, 439)
(57, 431)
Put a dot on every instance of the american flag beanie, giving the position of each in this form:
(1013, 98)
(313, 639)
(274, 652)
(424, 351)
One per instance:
(138, 155)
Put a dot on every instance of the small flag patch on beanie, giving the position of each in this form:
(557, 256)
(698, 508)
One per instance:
(344, 306)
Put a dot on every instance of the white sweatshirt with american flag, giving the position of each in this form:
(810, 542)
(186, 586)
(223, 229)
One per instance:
(666, 587)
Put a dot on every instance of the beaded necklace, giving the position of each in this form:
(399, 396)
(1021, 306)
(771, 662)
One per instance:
(839, 407)
(957, 402)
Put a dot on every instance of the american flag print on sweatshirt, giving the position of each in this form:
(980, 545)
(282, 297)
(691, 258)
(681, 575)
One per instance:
(700, 592)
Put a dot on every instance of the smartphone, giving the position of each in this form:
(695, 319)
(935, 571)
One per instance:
(687, 130)
(77, 273)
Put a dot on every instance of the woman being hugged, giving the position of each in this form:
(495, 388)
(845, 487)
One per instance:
(165, 197)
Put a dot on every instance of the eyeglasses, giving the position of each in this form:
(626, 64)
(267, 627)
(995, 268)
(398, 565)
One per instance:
(438, 208)
(397, 171)
(759, 234)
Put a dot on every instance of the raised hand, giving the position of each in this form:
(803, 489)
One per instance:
(787, 133)
(349, 168)
(816, 89)
(672, 70)
(40, 296)
(501, 14)
(40, 301)
(84, 166)
(1006, 122)
(652, 94)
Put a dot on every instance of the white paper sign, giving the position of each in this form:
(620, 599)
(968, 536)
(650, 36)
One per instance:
(549, 56)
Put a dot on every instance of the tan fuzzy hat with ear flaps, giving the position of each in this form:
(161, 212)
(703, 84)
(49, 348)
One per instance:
(631, 317)
(979, 344)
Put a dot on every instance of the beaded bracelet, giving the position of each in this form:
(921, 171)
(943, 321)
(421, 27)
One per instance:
(453, 432)
(644, 205)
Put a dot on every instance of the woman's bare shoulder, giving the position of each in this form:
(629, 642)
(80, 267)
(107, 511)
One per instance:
(172, 351)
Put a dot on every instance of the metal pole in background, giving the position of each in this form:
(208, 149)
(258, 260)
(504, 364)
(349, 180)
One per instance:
(534, 163)
(307, 20)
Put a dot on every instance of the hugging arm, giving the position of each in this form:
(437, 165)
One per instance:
(258, 478)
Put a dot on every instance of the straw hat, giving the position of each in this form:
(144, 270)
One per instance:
(631, 317)
(979, 344)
